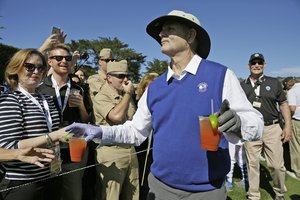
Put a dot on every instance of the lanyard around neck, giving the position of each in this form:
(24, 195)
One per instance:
(256, 85)
(45, 111)
(57, 93)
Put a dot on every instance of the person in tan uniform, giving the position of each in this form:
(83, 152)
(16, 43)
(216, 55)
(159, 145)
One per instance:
(118, 170)
(96, 81)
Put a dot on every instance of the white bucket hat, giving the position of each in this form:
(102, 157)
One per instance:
(154, 28)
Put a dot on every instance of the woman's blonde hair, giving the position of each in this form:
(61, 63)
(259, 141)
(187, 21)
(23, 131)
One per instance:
(144, 83)
(17, 62)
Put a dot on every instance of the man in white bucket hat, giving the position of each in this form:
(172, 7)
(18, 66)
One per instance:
(191, 87)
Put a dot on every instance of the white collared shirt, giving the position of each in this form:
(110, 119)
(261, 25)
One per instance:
(192, 68)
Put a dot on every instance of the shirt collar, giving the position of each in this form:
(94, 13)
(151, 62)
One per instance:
(54, 83)
(107, 89)
(191, 67)
(260, 79)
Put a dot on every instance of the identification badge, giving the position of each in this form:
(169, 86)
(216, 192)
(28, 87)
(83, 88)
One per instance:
(55, 165)
(256, 104)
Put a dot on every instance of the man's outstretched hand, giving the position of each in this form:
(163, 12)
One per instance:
(88, 130)
(229, 121)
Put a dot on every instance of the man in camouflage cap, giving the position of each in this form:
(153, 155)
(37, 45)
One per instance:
(97, 80)
(113, 105)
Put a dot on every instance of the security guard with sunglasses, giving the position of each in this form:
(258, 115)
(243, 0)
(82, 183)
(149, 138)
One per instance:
(266, 95)
(118, 169)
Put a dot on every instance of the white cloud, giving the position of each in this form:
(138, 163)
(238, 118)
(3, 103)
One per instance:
(287, 71)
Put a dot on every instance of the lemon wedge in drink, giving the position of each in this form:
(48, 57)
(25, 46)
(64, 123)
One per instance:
(213, 121)
(66, 136)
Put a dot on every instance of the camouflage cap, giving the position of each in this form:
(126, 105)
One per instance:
(106, 53)
(120, 66)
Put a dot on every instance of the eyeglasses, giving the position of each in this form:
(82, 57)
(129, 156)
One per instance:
(258, 62)
(107, 60)
(120, 76)
(60, 58)
(31, 67)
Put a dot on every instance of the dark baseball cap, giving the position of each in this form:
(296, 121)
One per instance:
(256, 56)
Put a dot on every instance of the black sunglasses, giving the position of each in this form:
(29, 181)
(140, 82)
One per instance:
(107, 60)
(60, 58)
(120, 76)
(31, 67)
(258, 62)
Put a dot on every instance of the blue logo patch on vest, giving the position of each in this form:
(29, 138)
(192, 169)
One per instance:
(268, 88)
(202, 87)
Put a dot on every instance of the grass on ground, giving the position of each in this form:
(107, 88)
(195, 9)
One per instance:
(266, 190)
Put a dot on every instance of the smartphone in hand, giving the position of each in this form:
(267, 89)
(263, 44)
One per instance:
(55, 30)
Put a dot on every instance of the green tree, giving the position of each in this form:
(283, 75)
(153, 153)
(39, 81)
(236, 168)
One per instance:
(158, 66)
(6, 53)
(120, 49)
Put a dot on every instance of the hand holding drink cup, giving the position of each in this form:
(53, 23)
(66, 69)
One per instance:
(212, 127)
(79, 134)
(88, 131)
(74, 98)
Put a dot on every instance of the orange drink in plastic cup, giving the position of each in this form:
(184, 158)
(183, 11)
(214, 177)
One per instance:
(209, 137)
(77, 148)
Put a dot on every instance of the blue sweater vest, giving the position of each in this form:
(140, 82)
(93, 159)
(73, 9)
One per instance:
(178, 159)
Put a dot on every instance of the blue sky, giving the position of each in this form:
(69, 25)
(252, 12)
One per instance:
(237, 28)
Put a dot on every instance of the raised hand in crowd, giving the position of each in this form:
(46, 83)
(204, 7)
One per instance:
(128, 87)
(75, 57)
(51, 40)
